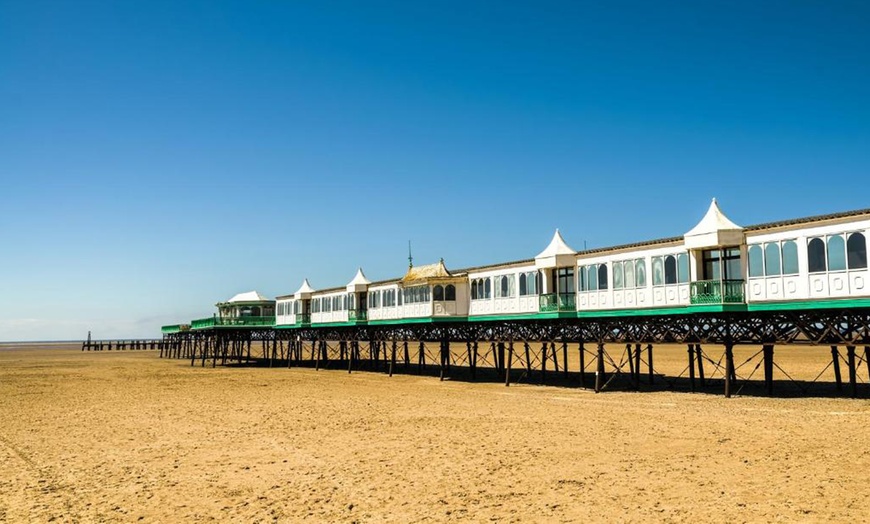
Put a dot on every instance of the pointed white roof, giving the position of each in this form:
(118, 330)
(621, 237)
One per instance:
(557, 254)
(714, 230)
(359, 282)
(304, 290)
(250, 296)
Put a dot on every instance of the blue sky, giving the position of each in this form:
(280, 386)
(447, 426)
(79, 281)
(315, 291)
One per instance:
(158, 157)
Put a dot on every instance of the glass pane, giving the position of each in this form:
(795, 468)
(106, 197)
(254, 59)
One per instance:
(602, 276)
(816, 255)
(439, 293)
(836, 253)
(522, 284)
(617, 275)
(450, 292)
(629, 274)
(682, 268)
(756, 261)
(592, 278)
(487, 288)
(640, 272)
(658, 271)
(670, 270)
(857, 251)
(772, 265)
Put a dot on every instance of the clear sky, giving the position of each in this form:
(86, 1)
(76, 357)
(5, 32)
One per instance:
(158, 157)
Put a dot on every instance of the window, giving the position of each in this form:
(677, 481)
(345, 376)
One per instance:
(722, 264)
(504, 286)
(618, 275)
(640, 272)
(480, 288)
(450, 292)
(789, 258)
(658, 270)
(670, 270)
(438, 293)
(856, 251)
(417, 294)
(772, 259)
(602, 276)
(816, 255)
(683, 268)
(629, 282)
(756, 261)
(528, 283)
(836, 253)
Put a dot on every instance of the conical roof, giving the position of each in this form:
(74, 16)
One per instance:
(714, 230)
(304, 290)
(557, 254)
(359, 282)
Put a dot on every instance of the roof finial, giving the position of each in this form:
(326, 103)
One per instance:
(410, 258)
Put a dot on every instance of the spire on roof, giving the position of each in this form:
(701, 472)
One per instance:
(359, 282)
(304, 290)
(715, 229)
(557, 254)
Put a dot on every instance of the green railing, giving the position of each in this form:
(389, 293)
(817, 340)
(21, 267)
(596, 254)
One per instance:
(357, 315)
(203, 323)
(303, 318)
(557, 302)
(717, 292)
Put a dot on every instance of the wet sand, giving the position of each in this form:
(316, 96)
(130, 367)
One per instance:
(126, 436)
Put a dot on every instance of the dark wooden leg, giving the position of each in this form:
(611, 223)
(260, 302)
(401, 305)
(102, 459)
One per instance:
(582, 351)
(835, 359)
(510, 361)
(599, 370)
(768, 368)
(699, 354)
(850, 361)
(692, 367)
(729, 369)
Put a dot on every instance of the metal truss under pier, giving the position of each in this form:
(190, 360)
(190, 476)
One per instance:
(518, 348)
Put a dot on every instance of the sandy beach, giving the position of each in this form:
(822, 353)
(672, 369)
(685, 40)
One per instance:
(126, 436)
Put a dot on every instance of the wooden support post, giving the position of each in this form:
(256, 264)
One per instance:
(510, 361)
(768, 368)
(692, 367)
(500, 367)
(393, 357)
(468, 352)
(249, 350)
(630, 365)
(474, 360)
(729, 369)
(835, 359)
(699, 358)
(850, 362)
(544, 357)
(315, 354)
(407, 354)
(351, 355)
(555, 357)
(649, 363)
(599, 368)
(582, 351)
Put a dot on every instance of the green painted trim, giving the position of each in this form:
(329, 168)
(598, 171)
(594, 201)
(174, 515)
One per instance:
(842, 303)
(418, 320)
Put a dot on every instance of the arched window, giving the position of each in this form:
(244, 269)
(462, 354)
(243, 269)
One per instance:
(474, 295)
(438, 293)
(592, 277)
(629, 274)
(658, 271)
(670, 270)
(836, 253)
(772, 262)
(602, 276)
(682, 268)
(640, 272)
(756, 261)
(450, 292)
(426, 293)
(789, 258)
(816, 255)
(856, 251)
(617, 275)
(487, 288)
(505, 291)
(523, 288)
